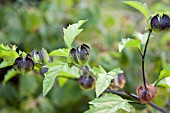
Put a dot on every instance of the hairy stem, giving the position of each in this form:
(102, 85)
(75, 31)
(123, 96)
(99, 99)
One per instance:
(143, 58)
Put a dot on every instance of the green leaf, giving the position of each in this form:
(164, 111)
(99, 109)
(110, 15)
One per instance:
(143, 8)
(163, 74)
(53, 66)
(115, 72)
(6, 52)
(60, 52)
(97, 70)
(3, 47)
(49, 81)
(10, 74)
(104, 79)
(164, 82)
(54, 69)
(128, 43)
(71, 72)
(58, 69)
(109, 103)
(71, 32)
(91, 110)
(8, 55)
(8, 62)
(45, 56)
(142, 37)
(61, 81)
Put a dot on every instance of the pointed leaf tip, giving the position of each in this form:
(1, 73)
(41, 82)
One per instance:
(72, 31)
(143, 8)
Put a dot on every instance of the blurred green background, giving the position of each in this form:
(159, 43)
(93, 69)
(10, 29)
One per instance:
(31, 24)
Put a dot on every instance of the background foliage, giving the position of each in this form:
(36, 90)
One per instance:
(39, 23)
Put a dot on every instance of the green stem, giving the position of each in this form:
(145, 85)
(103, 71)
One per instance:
(157, 82)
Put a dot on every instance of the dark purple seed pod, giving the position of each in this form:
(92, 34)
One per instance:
(160, 23)
(29, 63)
(80, 55)
(147, 94)
(43, 70)
(23, 65)
(119, 81)
(83, 54)
(73, 56)
(86, 82)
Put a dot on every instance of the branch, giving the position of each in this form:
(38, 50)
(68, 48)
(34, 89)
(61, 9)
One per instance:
(143, 59)
(157, 82)
(121, 93)
(144, 53)
(137, 98)
(89, 72)
(158, 108)
(127, 93)
(124, 92)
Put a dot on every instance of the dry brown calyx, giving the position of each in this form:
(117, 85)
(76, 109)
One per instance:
(146, 94)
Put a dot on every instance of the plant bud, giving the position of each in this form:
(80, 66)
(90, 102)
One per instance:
(146, 94)
(86, 82)
(160, 23)
(73, 56)
(36, 56)
(23, 65)
(83, 54)
(44, 56)
(12, 47)
(119, 81)
(40, 57)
